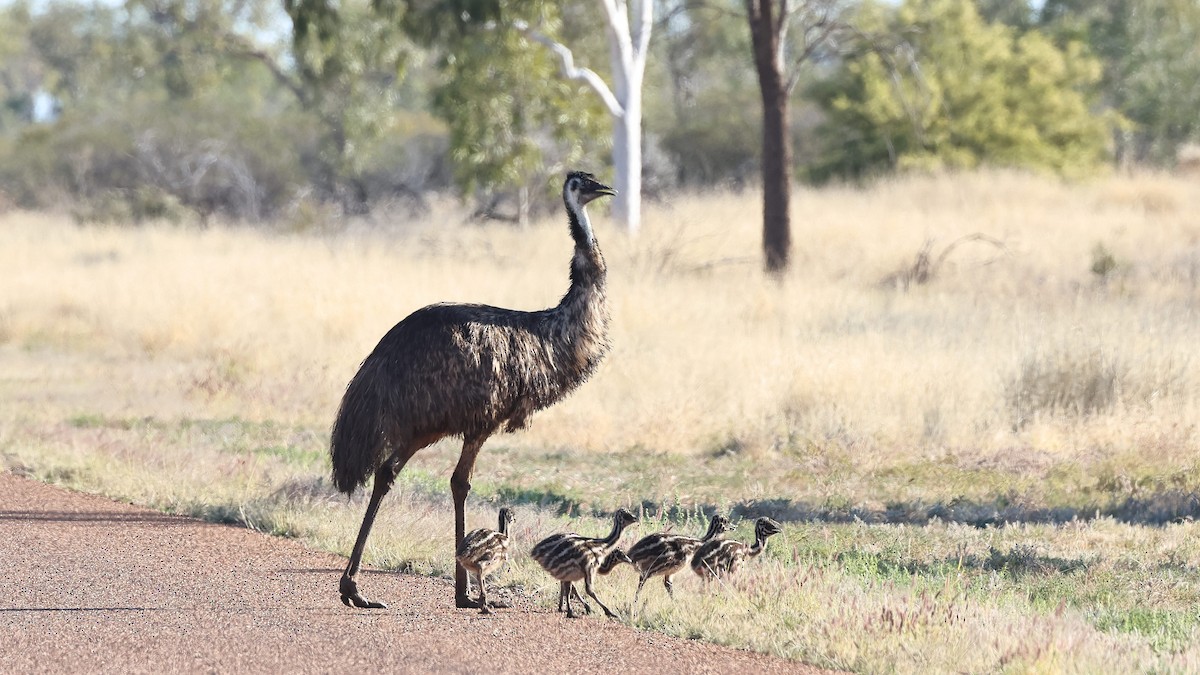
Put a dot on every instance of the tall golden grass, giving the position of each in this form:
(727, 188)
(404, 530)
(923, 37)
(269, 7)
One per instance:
(709, 354)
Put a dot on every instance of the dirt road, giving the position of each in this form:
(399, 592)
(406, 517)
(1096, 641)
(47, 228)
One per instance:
(89, 585)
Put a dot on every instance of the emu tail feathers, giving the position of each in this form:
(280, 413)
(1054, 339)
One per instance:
(357, 443)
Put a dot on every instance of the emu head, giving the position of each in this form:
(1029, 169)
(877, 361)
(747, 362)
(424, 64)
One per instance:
(506, 518)
(765, 527)
(718, 525)
(582, 187)
(614, 558)
(623, 519)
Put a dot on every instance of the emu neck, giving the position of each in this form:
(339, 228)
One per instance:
(609, 563)
(760, 545)
(713, 531)
(581, 225)
(583, 312)
(611, 539)
(588, 270)
(503, 525)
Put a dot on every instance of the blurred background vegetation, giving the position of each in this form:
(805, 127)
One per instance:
(304, 110)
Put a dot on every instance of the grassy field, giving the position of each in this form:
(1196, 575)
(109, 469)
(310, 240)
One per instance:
(973, 403)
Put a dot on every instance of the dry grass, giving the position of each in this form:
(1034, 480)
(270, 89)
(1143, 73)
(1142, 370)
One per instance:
(1052, 372)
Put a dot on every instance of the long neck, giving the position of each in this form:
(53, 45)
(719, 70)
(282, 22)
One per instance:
(609, 563)
(581, 225)
(588, 269)
(760, 545)
(503, 523)
(714, 528)
(618, 528)
(580, 322)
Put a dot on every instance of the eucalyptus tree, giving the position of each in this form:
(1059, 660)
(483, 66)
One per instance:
(785, 36)
(484, 50)
(628, 26)
(514, 124)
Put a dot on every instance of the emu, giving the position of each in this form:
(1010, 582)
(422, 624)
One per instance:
(573, 557)
(665, 554)
(567, 590)
(718, 558)
(483, 551)
(465, 370)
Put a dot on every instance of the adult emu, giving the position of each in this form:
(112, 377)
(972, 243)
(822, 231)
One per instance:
(467, 370)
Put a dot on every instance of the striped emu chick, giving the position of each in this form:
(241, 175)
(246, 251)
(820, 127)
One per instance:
(572, 557)
(484, 551)
(665, 554)
(610, 563)
(720, 557)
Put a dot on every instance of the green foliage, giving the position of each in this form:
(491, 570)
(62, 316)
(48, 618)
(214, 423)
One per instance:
(177, 109)
(157, 160)
(512, 120)
(707, 128)
(972, 94)
(1151, 55)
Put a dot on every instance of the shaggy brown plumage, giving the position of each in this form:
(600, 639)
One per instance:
(482, 552)
(469, 371)
(663, 553)
(718, 558)
(573, 557)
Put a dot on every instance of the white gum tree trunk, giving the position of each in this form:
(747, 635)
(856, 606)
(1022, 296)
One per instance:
(629, 42)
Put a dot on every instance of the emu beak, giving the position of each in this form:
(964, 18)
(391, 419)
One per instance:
(594, 191)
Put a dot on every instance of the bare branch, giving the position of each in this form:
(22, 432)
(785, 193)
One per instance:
(566, 62)
(242, 48)
(825, 30)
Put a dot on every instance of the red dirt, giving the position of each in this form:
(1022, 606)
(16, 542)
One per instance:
(91, 585)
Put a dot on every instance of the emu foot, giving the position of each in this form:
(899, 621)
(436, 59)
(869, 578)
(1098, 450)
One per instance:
(474, 603)
(351, 598)
(572, 614)
(463, 602)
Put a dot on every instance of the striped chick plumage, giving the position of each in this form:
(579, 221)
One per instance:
(717, 558)
(484, 551)
(573, 557)
(663, 553)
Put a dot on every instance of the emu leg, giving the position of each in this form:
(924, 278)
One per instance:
(587, 586)
(483, 602)
(571, 591)
(563, 592)
(460, 486)
(348, 587)
(575, 594)
(641, 582)
(669, 585)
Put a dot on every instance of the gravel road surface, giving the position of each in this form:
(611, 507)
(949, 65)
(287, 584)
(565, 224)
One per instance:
(90, 585)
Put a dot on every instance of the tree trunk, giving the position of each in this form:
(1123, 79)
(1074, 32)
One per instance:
(766, 28)
(627, 42)
(627, 164)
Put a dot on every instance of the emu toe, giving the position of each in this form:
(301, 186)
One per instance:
(351, 597)
(463, 602)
